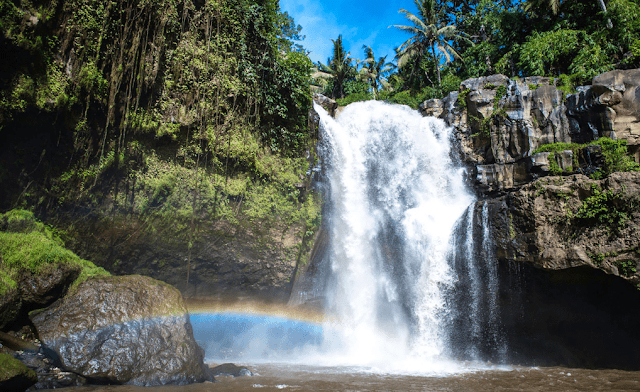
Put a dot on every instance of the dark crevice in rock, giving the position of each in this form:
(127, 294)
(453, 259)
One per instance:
(575, 317)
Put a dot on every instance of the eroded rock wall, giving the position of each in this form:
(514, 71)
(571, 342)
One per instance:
(500, 122)
(567, 247)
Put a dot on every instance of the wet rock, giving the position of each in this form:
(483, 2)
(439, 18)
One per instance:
(48, 369)
(36, 291)
(14, 375)
(128, 329)
(230, 369)
(58, 378)
(10, 305)
(536, 224)
(327, 104)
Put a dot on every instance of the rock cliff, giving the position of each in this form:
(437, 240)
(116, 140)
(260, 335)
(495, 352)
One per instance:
(547, 211)
(500, 123)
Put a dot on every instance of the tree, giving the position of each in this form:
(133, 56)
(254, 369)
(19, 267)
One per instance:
(339, 66)
(374, 71)
(430, 32)
(555, 7)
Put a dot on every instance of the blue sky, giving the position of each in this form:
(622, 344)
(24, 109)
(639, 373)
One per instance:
(359, 22)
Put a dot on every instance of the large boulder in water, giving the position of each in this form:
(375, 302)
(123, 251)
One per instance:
(127, 329)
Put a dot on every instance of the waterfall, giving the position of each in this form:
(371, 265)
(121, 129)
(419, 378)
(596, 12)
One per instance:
(393, 199)
(474, 321)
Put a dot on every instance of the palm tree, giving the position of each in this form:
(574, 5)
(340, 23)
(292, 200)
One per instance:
(339, 66)
(555, 7)
(374, 71)
(430, 33)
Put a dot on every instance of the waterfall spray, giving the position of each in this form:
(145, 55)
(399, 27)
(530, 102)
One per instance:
(395, 196)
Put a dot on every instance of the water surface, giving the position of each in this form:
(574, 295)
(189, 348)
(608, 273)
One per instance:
(288, 377)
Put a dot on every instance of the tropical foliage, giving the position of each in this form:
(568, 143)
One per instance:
(451, 41)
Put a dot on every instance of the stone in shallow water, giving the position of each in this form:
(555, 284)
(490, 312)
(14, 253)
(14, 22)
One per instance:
(230, 369)
(128, 329)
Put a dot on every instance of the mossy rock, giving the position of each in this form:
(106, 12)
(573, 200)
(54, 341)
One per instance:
(14, 375)
(35, 268)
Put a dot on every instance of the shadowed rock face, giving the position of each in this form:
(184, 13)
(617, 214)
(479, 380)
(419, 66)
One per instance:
(129, 329)
(535, 225)
(35, 291)
(575, 317)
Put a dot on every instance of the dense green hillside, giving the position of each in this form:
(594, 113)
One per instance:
(135, 120)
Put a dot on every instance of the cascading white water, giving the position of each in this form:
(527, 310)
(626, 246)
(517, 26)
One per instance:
(394, 196)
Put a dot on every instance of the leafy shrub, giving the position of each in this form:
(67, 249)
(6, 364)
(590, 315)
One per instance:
(405, 98)
(605, 208)
(549, 52)
(355, 97)
(615, 154)
(626, 267)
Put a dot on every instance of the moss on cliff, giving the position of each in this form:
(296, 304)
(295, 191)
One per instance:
(28, 246)
(132, 122)
(615, 155)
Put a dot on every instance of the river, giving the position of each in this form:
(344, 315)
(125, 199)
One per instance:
(287, 377)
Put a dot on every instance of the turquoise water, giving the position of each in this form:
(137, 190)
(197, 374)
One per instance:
(228, 337)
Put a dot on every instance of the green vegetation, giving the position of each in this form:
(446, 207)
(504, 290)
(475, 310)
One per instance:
(626, 267)
(430, 34)
(596, 258)
(604, 207)
(27, 245)
(161, 118)
(616, 157)
(571, 42)
(11, 367)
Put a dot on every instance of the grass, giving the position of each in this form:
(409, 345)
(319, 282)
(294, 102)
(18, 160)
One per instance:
(30, 246)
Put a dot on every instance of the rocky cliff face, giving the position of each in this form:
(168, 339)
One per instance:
(547, 211)
(500, 122)
(564, 207)
(564, 222)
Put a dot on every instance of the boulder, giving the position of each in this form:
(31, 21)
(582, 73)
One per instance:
(14, 375)
(230, 369)
(128, 329)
